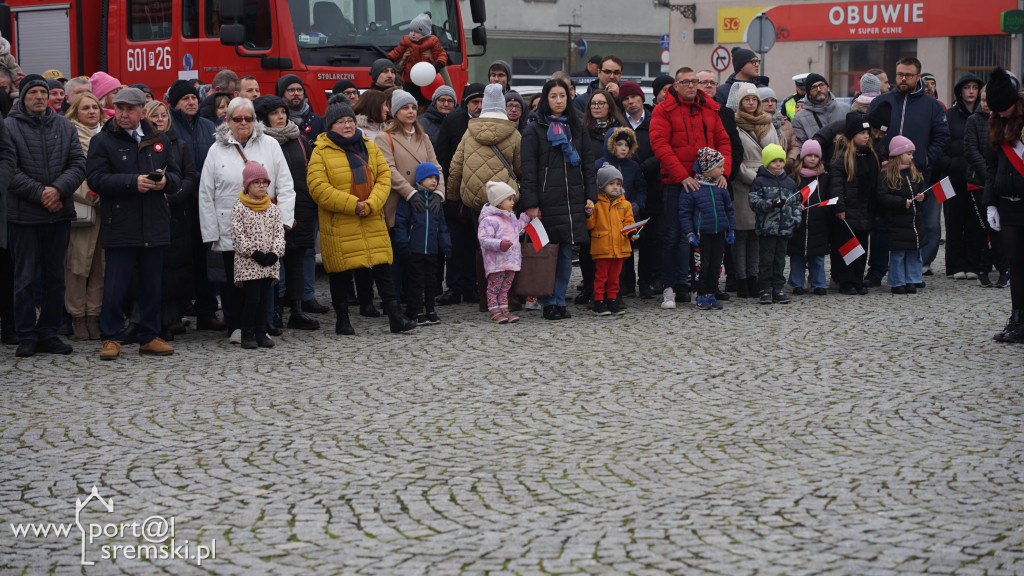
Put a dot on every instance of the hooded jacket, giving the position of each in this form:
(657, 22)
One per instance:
(497, 225)
(813, 117)
(421, 232)
(706, 210)
(953, 162)
(633, 181)
(680, 128)
(605, 224)
(475, 163)
(920, 118)
(780, 221)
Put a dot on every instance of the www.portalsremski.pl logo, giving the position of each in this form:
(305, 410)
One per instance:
(156, 534)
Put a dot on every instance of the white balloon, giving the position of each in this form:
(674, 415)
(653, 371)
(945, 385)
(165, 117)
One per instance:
(422, 74)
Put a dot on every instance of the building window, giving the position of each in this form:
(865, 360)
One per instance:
(257, 20)
(850, 60)
(979, 55)
(149, 20)
(190, 19)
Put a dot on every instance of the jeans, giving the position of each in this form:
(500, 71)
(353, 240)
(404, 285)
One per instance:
(904, 267)
(814, 264)
(675, 250)
(563, 271)
(309, 275)
(43, 248)
(878, 252)
(146, 264)
(932, 213)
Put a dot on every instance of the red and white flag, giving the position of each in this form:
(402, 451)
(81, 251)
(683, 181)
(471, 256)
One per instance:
(538, 235)
(943, 190)
(829, 202)
(851, 250)
(806, 191)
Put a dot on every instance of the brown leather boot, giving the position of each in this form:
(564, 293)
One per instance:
(79, 328)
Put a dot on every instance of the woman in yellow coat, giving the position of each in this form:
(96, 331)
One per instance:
(349, 180)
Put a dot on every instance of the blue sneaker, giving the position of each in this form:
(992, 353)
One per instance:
(703, 302)
(715, 305)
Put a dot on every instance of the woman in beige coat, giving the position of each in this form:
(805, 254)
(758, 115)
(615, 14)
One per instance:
(83, 272)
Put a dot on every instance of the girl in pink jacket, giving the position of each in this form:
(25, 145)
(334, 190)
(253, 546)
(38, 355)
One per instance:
(498, 233)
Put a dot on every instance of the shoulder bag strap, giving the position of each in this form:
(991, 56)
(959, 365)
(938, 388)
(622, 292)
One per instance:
(505, 162)
(240, 153)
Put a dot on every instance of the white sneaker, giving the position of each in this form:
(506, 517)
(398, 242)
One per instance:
(959, 276)
(972, 276)
(668, 299)
(236, 337)
(531, 303)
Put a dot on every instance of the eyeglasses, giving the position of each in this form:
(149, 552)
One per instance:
(687, 82)
(446, 100)
(294, 91)
(707, 83)
(906, 75)
(755, 61)
(240, 119)
(346, 121)
(261, 183)
(513, 105)
(611, 72)
(599, 104)
(351, 92)
(819, 86)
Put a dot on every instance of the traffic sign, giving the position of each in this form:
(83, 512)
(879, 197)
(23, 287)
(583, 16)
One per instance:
(581, 47)
(721, 58)
(761, 34)
(664, 56)
(1012, 21)
(664, 41)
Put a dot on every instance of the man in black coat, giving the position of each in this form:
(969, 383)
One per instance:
(130, 165)
(639, 117)
(48, 167)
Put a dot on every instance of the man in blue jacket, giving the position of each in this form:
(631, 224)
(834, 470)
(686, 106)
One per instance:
(922, 119)
(129, 166)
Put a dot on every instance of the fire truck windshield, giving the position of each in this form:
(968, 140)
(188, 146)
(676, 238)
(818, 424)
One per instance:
(376, 24)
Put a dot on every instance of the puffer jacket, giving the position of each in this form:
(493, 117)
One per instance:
(919, 117)
(976, 148)
(814, 117)
(904, 227)
(46, 153)
(953, 161)
(409, 53)
(253, 231)
(811, 235)
(221, 181)
(497, 225)
(421, 232)
(749, 169)
(403, 155)
(706, 210)
(605, 223)
(858, 206)
(431, 122)
(132, 219)
(680, 128)
(475, 163)
(633, 181)
(559, 189)
(780, 221)
(177, 268)
(348, 241)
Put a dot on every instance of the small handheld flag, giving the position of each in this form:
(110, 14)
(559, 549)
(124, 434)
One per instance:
(806, 191)
(852, 249)
(829, 202)
(943, 190)
(538, 235)
(636, 226)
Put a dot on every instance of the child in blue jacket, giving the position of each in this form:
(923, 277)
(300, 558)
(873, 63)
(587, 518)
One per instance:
(420, 237)
(707, 219)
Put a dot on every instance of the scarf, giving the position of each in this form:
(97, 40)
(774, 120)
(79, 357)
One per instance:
(254, 205)
(602, 124)
(759, 125)
(282, 135)
(357, 154)
(558, 135)
(809, 172)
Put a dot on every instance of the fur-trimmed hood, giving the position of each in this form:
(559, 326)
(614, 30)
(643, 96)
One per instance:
(609, 141)
(224, 138)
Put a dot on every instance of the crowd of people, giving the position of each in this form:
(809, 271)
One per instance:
(127, 214)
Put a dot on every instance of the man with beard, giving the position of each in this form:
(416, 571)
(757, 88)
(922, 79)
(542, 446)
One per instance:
(382, 74)
(293, 92)
(820, 109)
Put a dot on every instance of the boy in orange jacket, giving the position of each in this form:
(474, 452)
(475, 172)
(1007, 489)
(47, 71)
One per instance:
(609, 247)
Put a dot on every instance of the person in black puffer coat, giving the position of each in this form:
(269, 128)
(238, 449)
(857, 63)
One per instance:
(979, 154)
(965, 232)
(558, 183)
(899, 200)
(273, 113)
(809, 243)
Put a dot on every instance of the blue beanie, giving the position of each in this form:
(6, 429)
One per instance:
(426, 170)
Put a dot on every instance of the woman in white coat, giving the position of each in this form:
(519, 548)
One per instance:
(239, 139)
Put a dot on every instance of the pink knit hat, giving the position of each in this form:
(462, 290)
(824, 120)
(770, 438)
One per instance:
(103, 84)
(900, 144)
(253, 171)
(810, 148)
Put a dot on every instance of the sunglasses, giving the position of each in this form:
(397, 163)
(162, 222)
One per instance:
(240, 119)
(612, 72)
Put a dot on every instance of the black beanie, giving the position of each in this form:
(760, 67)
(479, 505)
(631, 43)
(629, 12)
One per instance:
(179, 90)
(31, 81)
(881, 117)
(1001, 92)
(474, 90)
(855, 124)
(286, 81)
(266, 104)
(813, 78)
(740, 57)
(337, 111)
(341, 85)
(660, 82)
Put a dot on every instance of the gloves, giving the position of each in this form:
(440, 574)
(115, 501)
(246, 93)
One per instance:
(993, 218)
(505, 245)
(435, 204)
(777, 202)
(692, 239)
(264, 259)
(439, 66)
(730, 237)
(417, 203)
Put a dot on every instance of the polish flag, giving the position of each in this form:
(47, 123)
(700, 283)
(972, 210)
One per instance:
(943, 190)
(538, 235)
(806, 191)
(851, 250)
(829, 202)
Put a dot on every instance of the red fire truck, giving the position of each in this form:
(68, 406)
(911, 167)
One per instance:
(159, 41)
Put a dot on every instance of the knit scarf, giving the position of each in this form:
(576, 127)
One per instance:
(358, 156)
(558, 135)
(810, 172)
(759, 125)
(289, 132)
(254, 205)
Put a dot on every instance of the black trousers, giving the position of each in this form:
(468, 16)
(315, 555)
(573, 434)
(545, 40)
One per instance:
(232, 297)
(257, 297)
(41, 250)
(6, 291)
(965, 232)
(365, 279)
(419, 273)
(649, 259)
(712, 250)
(1013, 239)
(294, 278)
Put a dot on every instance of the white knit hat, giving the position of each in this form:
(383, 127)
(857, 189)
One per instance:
(498, 191)
(494, 102)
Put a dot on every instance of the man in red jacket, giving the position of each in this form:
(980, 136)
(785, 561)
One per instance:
(683, 123)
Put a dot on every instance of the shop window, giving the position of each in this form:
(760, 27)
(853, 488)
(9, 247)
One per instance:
(149, 20)
(850, 60)
(979, 55)
(257, 20)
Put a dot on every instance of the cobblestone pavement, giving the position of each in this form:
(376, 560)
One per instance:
(872, 434)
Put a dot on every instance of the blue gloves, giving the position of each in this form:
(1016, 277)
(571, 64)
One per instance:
(692, 239)
(730, 237)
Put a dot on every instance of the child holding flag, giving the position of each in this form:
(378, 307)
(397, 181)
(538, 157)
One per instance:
(707, 219)
(904, 223)
(777, 212)
(498, 232)
(809, 243)
(609, 247)
(855, 178)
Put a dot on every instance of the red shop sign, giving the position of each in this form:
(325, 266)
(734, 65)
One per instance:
(891, 19)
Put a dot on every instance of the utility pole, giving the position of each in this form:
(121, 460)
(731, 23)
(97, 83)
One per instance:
(568, 44)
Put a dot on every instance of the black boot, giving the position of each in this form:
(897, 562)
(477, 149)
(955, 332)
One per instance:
(262, 340)
(342, 326)
(1014, 331)
(298, 319)
(249, 339)
(369, 310)
(398, 321)
(752, 286)
(742, 289)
